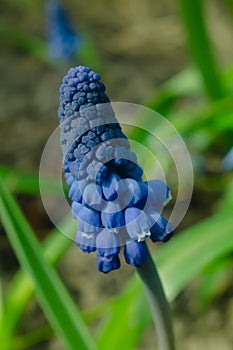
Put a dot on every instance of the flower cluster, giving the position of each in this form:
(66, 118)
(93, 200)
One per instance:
(63, 40)
(111, 202)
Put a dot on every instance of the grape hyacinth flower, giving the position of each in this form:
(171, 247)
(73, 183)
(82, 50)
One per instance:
(111, 202)
(63, 40)
(113, 205)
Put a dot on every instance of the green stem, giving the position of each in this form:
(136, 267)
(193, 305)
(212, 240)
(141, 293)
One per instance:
(159, 304)
(35, 337)
(200, 46)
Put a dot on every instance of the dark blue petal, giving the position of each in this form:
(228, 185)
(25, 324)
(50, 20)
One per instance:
(135, 253)
(75, 192)
(87, 228)
(107, 243)
(92, 196)
(110, 187)
(89, 216)
(161, 230)
(106, 265)
(158, 194)
(69, 179)
(138, 223)
(139, 191)
(124, 192)
(76, 207)
(112, 216)
(131, 170)
(88, 220)
(86, 241)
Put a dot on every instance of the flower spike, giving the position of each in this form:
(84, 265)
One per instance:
(111, 202)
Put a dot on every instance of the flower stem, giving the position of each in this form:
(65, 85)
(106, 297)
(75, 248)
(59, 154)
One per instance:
(159, 304)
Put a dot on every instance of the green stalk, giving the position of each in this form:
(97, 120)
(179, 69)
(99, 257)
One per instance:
(158, 302)
(200, 46)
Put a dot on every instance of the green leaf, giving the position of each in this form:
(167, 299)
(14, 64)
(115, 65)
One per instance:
(200, 46)
(178, 262)
(186, 82)
(51, 293)
(21, 288)
(214, 281)
(1, 299)
(226, 202)
(27, 183)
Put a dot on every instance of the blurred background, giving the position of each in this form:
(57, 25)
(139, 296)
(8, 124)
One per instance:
(154, 53)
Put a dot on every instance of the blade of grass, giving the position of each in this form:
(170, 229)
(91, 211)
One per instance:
(207, 116)
(27, 340)
(1, 299)
(185, 83)
(212, 119)
(25, 183)
(21, 288)
(178, 263)
(20, 182)
(214, 282)
(51, 293)
(199, 43)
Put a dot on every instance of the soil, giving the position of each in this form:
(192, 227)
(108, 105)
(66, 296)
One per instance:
(141, 44)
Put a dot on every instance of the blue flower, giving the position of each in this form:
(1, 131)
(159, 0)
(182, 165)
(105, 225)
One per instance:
(108, 264)
(63, 40)
(135, 253)
(111, 202)
(110, 186)
(138, 223)
(86, 241)
(161, 230)
(107, 243)
(112, 216)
